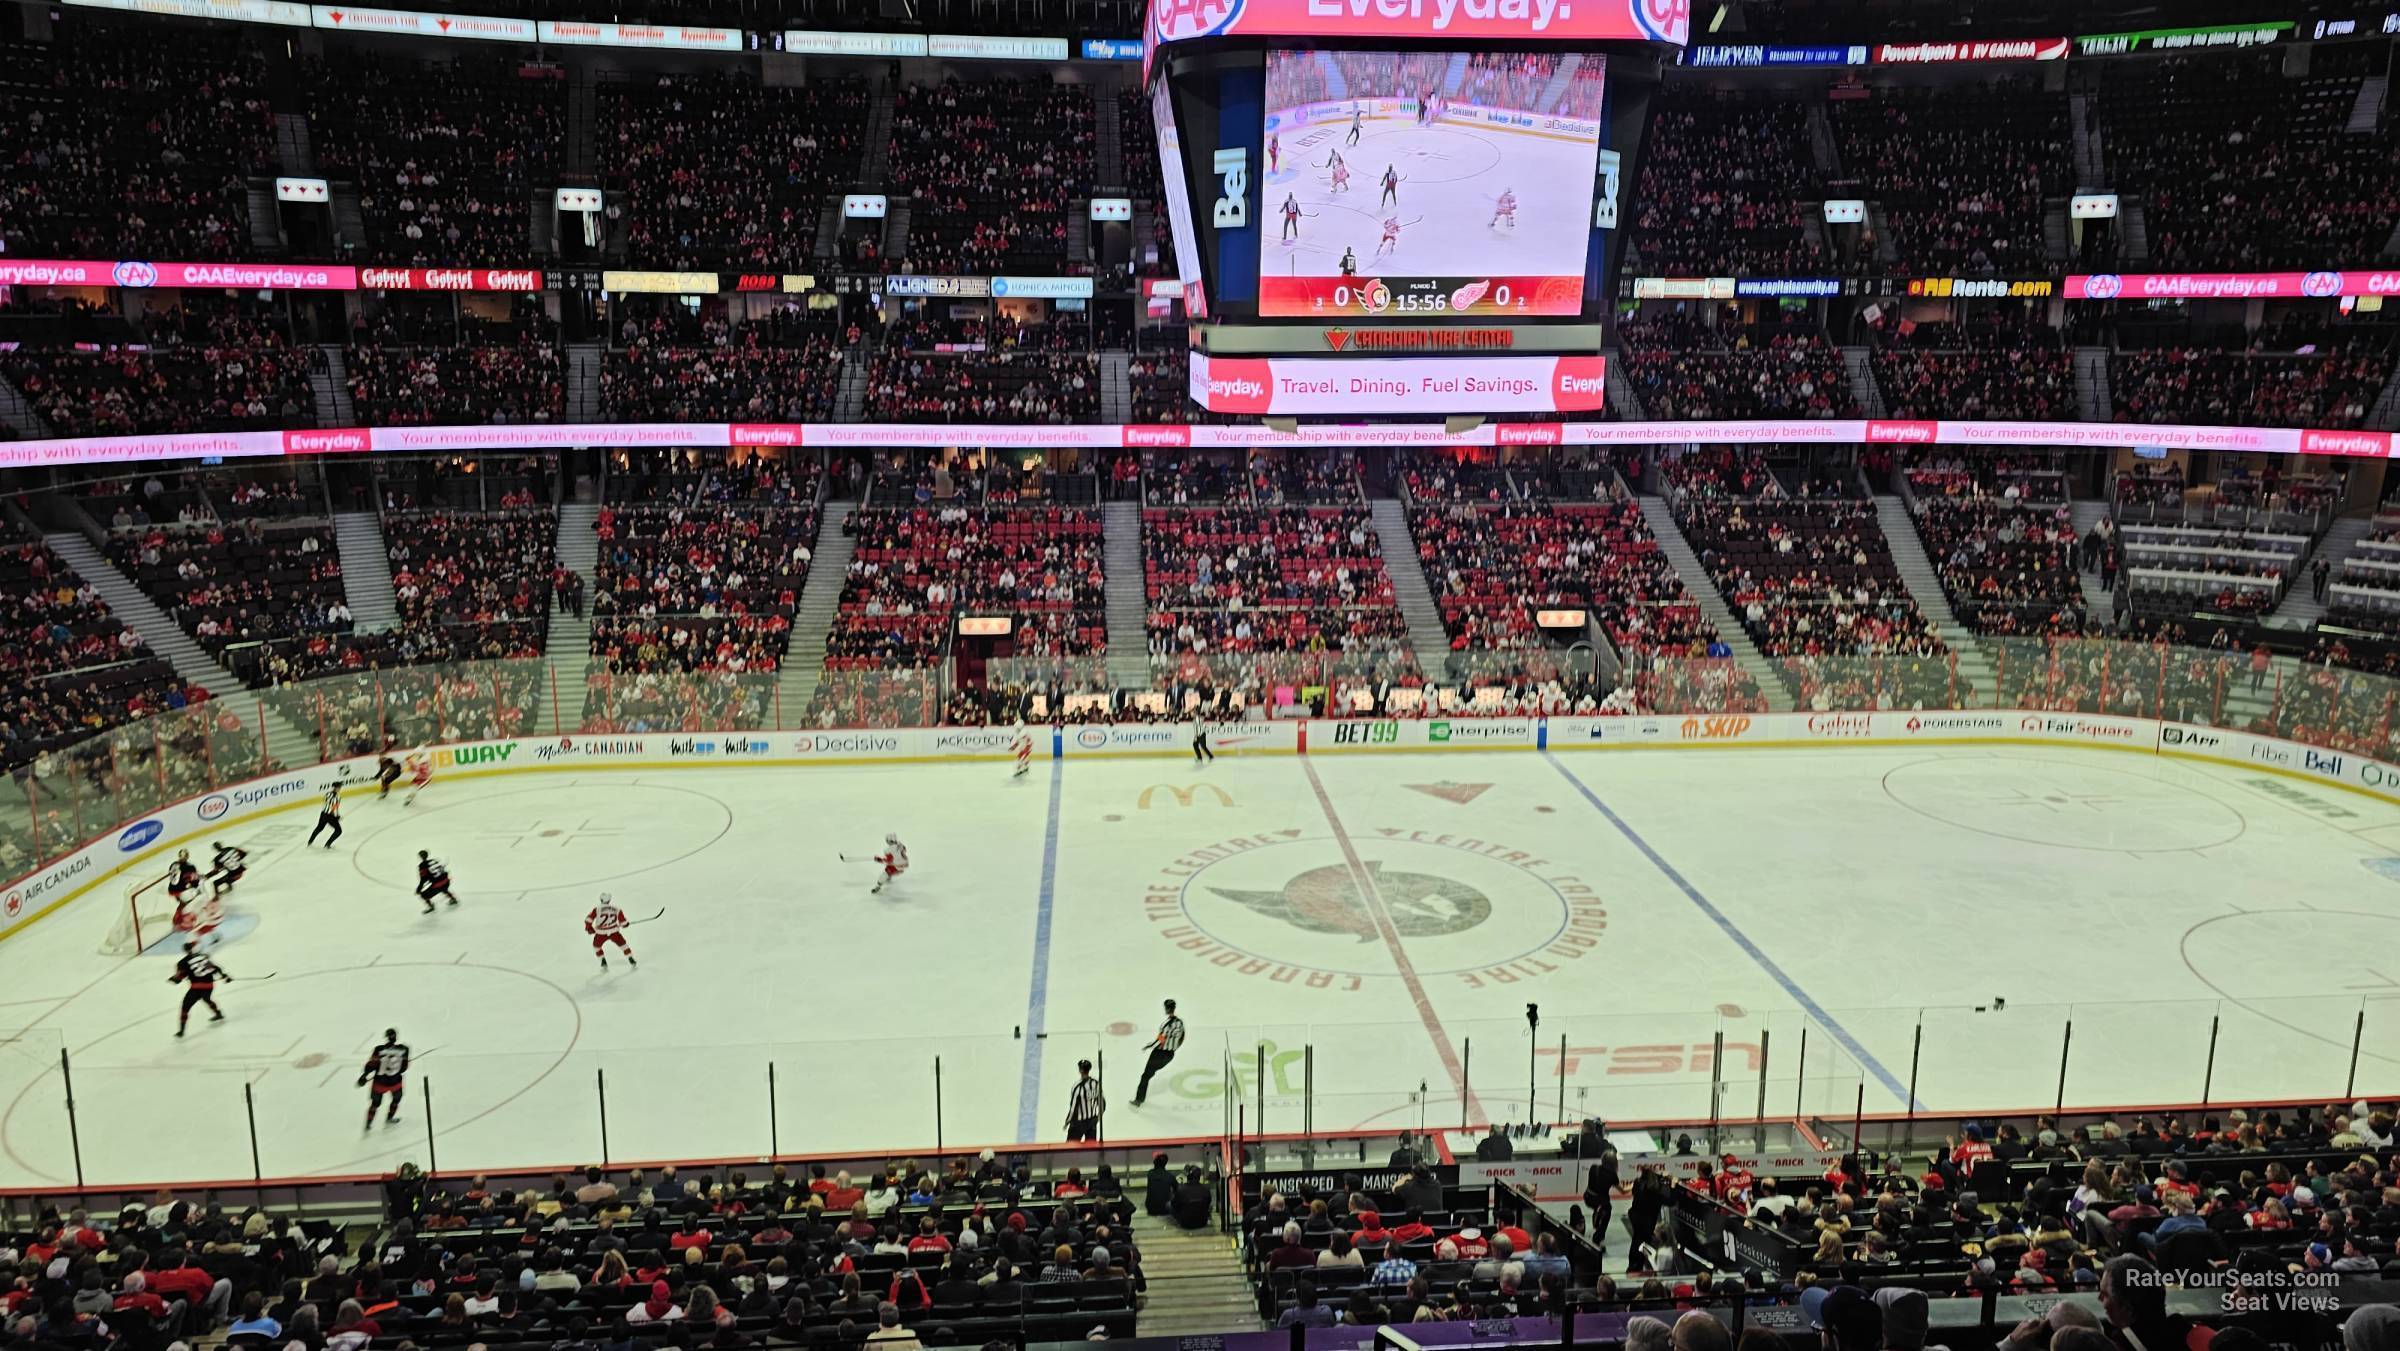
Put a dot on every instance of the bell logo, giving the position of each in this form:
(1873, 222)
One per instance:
(1232, 207)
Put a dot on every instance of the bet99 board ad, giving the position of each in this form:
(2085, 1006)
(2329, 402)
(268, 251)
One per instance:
(1428, 184)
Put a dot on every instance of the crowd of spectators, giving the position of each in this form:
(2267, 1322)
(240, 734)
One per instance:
(2007, 565)
(1948, 370)
(719, 171)
(250, 382)
(510, 379)
(68, 668)
(1963, 174)
(961, 1252)
(446, 157)
(128, 140)
(1009, 386)
(1493, 567)
(704, 588)
(1723, 187)
(993, 166)
(1682, 368)
(768, 370)
(2238, 165)
(474, 584)
(1267, 478)
(914, 569)
(1266, 579)
(2182, 384)
(1808, 578)
(239, 583)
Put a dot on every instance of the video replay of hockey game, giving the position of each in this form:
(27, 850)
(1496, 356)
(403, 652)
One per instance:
(1426, 184)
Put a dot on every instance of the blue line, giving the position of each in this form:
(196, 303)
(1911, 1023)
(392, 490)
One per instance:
(1742, 940)
(1029, 1093)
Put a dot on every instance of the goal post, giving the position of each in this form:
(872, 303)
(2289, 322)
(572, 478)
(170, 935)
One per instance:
(145, 915)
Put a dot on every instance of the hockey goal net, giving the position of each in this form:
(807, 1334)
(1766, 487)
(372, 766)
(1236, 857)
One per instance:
(146, 915)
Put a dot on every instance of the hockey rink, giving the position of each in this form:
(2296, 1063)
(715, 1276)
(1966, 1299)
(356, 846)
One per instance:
(1452, 175)
(1372, 926)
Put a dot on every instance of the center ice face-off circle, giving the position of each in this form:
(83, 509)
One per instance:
(1452, 909)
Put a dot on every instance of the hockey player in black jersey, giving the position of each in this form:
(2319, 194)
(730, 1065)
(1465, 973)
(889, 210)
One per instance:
(387, 1068)
(198, 975)
(433, 879)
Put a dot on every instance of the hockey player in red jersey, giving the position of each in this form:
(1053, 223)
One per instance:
(420, 773)
(1024, 749)
(894, 859)
(606, 924)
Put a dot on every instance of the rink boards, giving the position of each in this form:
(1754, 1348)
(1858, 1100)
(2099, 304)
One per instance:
(139, 848)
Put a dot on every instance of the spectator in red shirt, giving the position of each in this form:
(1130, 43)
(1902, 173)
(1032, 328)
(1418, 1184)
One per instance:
(134, 1297)
(1370, 1232)
(1413, 1229)
(928, 1238)
(179, 1279)
(1965, 1154)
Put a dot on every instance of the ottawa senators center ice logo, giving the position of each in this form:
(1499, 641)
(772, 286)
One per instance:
(1327, 901)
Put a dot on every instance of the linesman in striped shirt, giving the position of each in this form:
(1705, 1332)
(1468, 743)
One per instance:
(1085, 1105)
(1162, 1050)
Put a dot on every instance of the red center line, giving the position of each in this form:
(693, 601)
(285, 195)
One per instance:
(1364, 880)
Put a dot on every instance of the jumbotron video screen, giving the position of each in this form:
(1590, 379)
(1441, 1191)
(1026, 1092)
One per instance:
(1385, 195)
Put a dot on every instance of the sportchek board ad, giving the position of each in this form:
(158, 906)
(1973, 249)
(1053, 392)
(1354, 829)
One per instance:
(1396, 186)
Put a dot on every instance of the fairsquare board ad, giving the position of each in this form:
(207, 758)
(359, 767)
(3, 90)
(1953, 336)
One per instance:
(1394, 188)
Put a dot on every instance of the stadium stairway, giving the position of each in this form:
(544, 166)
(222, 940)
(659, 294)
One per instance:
(1196, 1285)
(366, 571)
(1108, 143)
(583, 381)
(1822, 148)
(1678, 550)
(2385, 415)
(2087, 516)
(1925, 587)
(349, 223)
(266, 229)
(2133, 232)
(329, 383)
(1116, 388)
(1425, 631)
(820, 600)
(1128, 593)
(2091, 384)
(1862, 381)
(1554, 92)
(2091, 173)
(2366, 111)
(2299, 609)
(17, 415)
(285, 741)
(295, 156)
(569, 647)
(1620, 389)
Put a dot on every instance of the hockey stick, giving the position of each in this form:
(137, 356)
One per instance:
(662, 910)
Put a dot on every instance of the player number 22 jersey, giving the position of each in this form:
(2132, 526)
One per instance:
(604, 919)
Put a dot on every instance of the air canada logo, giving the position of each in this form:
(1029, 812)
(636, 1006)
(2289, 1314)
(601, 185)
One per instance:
(1327, 901)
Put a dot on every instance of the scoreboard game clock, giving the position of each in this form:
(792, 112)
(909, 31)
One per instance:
(1336, 168)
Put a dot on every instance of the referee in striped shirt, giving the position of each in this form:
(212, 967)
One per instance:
(1162, 1050)
(1084, 1105)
